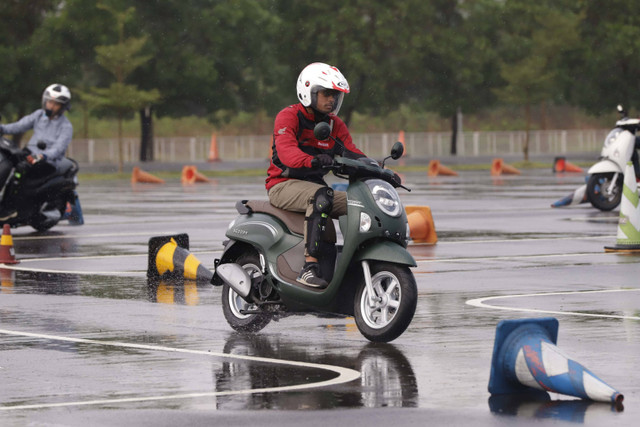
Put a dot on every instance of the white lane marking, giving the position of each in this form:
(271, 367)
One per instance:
(345, 375)
(83, 236)
(480, 302)
(541, 239)
(489, 258)
(134, 273)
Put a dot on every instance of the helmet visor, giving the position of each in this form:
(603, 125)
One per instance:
(326, 100)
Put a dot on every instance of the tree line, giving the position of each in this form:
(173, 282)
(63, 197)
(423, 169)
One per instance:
(215, 58)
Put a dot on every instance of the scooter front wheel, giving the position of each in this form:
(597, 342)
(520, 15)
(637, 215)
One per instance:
(241, 315)
(384, 316)
(602, 192)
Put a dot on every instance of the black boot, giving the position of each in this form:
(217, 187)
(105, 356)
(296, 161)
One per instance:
(310, 276)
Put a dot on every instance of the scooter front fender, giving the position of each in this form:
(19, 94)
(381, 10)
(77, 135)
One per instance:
(386, 251)
(605, 166)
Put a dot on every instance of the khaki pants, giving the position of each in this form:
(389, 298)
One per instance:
(295, 195)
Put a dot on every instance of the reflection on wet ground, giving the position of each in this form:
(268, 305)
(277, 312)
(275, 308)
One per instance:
(494, 240)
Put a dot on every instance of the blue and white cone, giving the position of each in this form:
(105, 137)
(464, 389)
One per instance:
(74, 212)
(577, 197)
(525, 357)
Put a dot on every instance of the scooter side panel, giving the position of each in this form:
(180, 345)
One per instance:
(264, 232)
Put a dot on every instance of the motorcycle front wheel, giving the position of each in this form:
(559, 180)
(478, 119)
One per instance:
(241, 315)
(601, 194)
(387, 315)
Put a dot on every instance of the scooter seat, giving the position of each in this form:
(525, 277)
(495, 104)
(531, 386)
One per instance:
(293, 220)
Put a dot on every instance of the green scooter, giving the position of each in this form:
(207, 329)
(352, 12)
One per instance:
(369, 275)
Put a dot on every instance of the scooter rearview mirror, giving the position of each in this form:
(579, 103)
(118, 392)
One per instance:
(397, 150)
(322, 131)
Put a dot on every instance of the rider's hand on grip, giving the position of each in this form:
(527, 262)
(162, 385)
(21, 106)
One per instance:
(322, 160)
(397, 179)
(34, 158)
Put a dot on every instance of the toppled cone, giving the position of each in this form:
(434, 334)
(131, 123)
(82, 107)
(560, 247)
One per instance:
(499, 167)
(7, 253)
(138, 175)
(73, 212)
(421, 226)
(169, 257)
(435, 169)
(560, 164)
(577, 197)
(628, 237)
(190, 175)
(526, 359)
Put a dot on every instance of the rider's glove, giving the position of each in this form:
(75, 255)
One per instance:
(396, 178)
(34, 158)
(321, 160)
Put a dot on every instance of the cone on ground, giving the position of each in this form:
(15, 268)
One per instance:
(525, 359)
(169, 257)
(499, 167)
(628, 238)
(560, 164)
(73, 212)
(401, 162)
(190, 175)
(7, 253)
(213, 149)
(421, 226)
(138, 175)
(577, 197)
(436, 168)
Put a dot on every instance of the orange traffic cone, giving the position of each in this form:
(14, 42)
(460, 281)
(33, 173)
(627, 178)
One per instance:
(499, 167)
(213, 149)
(7, 254)
(190, 175)
(138, 175)
(560, 164)
(421, 226)
(435, 169)
(401, 139)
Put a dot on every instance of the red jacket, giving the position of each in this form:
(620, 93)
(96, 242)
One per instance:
(294, 146)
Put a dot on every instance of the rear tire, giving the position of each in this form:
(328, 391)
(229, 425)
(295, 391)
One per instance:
(598, 193)
(397, 295)
(233, 304)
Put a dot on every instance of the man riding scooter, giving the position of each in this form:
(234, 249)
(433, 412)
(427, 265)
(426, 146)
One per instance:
(295, 176)
(52, 133)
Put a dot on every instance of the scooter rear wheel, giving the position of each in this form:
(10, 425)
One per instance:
(394, 305)
(234, 307)
(599, 194)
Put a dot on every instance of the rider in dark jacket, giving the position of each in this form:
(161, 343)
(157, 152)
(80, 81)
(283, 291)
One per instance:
(50, 126)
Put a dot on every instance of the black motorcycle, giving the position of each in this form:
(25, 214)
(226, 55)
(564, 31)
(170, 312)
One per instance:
(40, 193)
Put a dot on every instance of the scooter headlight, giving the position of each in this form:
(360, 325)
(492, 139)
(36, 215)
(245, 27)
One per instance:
(386, 197)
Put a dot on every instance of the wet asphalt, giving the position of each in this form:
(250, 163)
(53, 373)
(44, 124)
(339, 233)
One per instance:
(84, 340)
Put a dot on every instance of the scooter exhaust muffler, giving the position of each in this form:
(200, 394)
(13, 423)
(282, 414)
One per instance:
(236, 277)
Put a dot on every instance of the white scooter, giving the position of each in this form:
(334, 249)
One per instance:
(604, 187)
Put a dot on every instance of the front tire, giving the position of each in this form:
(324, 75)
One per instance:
(233, 304)
(598, 192)
(396, 296)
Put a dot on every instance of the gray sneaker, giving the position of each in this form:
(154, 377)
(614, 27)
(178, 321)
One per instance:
(309, 276)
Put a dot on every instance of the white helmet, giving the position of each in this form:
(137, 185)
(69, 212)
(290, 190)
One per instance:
(58, 93)
(319, 76)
